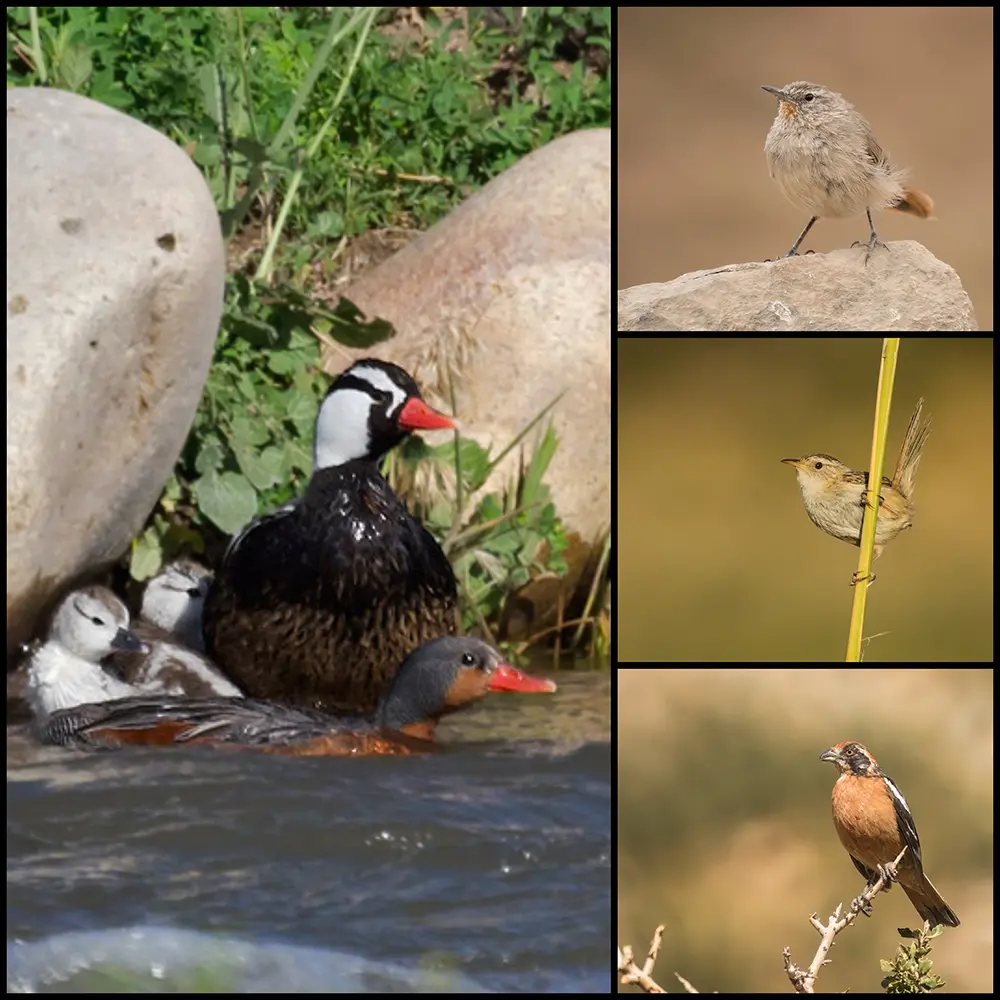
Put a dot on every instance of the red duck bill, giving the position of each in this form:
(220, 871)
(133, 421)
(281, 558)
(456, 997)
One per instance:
(416, 415)
(508, 678)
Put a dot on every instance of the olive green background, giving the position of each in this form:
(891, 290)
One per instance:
(725, 833)
(717, 558)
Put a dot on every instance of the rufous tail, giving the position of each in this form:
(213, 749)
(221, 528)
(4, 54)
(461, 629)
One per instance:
(915, 203)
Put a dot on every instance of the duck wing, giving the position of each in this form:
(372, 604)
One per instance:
(153, 721)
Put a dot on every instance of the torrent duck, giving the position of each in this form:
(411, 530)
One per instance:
(170, 628)
(65, 670)
(441, 676)
(317, 603)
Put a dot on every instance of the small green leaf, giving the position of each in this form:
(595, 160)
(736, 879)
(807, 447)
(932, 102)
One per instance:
(248, 433)
(211, 455)
(75, 67)
(263, 468)
(227, 499)
(296, 457)
(286, 362)
(301, 411)
(147, 556)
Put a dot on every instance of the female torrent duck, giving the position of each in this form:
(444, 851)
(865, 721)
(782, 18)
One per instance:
(317, 603)
(65, 670)
(441, 676)
(169, 627)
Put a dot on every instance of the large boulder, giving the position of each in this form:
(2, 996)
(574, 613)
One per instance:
(509, 297)
(115, 270)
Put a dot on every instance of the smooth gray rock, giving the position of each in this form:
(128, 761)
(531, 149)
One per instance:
(115, 270)
(509, 296)
(904, 288)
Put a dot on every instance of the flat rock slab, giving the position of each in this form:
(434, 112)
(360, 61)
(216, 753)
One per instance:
(903, 288)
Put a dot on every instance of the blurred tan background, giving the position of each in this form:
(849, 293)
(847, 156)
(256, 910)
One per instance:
(725, 832)
(694, 190)
(717, 559)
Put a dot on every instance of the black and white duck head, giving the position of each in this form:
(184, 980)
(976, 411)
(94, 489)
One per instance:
(370, 408)
(175, 598)
(65, 671)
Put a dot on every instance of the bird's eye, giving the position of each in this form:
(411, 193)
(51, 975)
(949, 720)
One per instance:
(808, 97)
(468, 660)
(819, 465)
(97, 621)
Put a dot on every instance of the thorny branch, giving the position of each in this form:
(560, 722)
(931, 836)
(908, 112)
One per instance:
(805, 981)
(631, 973)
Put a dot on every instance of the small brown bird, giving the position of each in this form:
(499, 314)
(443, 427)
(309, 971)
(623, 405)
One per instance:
(874, 823)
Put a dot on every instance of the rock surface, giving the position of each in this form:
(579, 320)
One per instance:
(905, 288)
(114, 292)
(509, 298)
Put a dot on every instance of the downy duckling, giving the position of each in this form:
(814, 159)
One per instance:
(174, 662)
(65, 670)
(174, 599)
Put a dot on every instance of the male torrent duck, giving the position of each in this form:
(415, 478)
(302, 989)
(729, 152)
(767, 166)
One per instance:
(170, 628)
(317, 603)
(442, 676)
(65, 670)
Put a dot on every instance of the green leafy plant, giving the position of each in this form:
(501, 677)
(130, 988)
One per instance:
(313, 127)
(496, 541)
(911, 970)
(250, 447)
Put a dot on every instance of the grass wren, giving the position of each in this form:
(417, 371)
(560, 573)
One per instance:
(835, 495)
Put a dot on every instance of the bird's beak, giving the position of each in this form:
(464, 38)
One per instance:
(508, 678)
(126, 640)
(416, 415)
(831, 755)
(782, 95)
(797, 462)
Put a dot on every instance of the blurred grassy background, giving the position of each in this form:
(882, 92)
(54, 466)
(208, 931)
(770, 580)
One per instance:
(694, 190)
(725, 832)
(717, 557)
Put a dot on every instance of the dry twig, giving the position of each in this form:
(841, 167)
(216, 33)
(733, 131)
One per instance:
(805, 981)
(631, 973)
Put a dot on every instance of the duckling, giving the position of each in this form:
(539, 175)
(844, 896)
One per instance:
(174, 599)
(65, 670)
(170, 627)
(316, 604)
